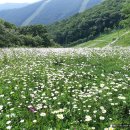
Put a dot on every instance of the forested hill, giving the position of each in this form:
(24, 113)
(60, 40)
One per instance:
(75, 30)
(29, 36)
(89, 24)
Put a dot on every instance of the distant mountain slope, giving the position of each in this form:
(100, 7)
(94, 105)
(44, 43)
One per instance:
(8, 6)
(18, 16)
(47, 11)
(88, 4)
(34, 15)
(89, 24)
(57, 10)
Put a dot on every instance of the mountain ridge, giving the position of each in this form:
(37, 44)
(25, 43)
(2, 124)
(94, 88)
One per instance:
(7, 6)
(33, 15)
(53, 11)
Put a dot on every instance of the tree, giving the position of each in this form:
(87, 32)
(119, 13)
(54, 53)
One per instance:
(36, 36)
(89, 24)
(126, 13)
(32, 36)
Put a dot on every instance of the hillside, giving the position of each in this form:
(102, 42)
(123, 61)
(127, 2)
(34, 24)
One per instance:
(95, 27)
(123, 41)
(47, 12)
(71, 75)
(114, 38)
(89, 24)
(29, 36)
(7, 6)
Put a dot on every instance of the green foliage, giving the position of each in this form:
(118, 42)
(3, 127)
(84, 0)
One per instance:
(31, 36)
(107, 38)
(124, 41)
(126, 13)
(88, 25)
(36, 34)
(33, 30)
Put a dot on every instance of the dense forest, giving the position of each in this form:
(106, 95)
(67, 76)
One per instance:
(89, 24)
(31, 36)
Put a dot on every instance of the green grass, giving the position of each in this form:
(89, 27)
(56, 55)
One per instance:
(123, 41)
(103, 40)
(64, 89)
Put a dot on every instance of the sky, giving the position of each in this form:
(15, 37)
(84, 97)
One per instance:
(18, 1)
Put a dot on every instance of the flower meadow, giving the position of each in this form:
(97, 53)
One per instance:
(64, 89)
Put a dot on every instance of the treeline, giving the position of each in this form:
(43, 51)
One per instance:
(29, 36)
(89, 24)
(126, 12)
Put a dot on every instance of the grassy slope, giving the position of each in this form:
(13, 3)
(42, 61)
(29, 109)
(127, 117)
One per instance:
(123, 41)
(105, 39)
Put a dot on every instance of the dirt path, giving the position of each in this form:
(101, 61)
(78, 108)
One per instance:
(110, 44)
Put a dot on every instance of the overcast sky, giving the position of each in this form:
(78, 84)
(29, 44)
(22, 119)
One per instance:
(18, 1)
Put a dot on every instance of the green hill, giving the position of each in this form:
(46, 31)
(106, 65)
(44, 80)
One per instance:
(123, 41)
(29, 36)
(114, 38)
(89, 24)
(93, 28)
